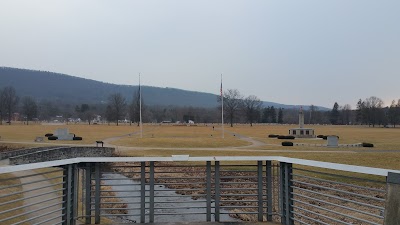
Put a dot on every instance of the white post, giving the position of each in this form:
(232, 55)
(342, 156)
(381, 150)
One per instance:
(222, 110)
(301, 118)
(140, 109)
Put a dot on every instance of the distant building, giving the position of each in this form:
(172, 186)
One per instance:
(16, 117)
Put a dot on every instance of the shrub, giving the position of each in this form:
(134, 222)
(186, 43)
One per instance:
(52, 138)
(287, 143)
(286, 137)
(320, 136)
(367, 145)
(48, 135)
(77, 139)
(273, 135)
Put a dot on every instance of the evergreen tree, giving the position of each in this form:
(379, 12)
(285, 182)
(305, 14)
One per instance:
(280, 116)
(265, 115)
(334, 117)
(273, 114)
(359, 111)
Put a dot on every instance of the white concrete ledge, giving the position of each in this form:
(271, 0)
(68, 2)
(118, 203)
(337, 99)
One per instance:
(326, 165)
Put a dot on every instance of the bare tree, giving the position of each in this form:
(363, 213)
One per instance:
(2, 110)
(118, 106)
(346, 114)
(109, 114)
(29, 108)
(375, 110)
(252, 107)
(312, 110)
(232, 102)
(86, 112)
(10, 100)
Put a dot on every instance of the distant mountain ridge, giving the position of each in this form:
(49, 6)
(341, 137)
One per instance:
(44, 85)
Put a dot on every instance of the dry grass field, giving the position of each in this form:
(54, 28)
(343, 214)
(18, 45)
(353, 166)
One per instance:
(202, 140)
(382, 138)
(170, 136)
(203, 136)
(90, 133)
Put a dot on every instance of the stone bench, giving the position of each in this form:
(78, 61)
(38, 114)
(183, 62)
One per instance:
(99, 142)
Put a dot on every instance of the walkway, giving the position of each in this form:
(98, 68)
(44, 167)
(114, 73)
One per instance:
(36, 189)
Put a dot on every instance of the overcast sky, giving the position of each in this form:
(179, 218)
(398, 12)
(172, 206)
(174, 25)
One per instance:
(292, 52)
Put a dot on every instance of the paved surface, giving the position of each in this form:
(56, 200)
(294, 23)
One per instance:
(205, 223)
(41, 209)
(35, 196)
(209, 223)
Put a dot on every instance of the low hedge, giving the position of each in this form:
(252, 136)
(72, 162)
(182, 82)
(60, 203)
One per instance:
(320, 136)
(273, 135)
(48, 135)
(367, 145)
(52, 138)
(286, 137)
(77, 138)
(287, 143)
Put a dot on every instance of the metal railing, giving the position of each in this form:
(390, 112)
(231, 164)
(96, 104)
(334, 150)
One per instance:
(168, 189)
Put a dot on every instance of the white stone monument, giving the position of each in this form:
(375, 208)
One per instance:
(63, 134)
(333, 141)
(302, 132)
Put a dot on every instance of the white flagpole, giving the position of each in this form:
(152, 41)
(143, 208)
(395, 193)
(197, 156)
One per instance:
(140, 109)
(222, 110)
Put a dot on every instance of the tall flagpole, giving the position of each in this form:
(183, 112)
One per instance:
(222, 110)
(140, 109)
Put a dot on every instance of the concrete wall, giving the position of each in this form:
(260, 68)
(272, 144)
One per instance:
(12, 153)
(392, 209)
(61, 153)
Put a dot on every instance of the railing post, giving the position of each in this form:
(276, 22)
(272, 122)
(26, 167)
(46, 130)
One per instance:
(88, 193)
(68, 195)
(286, 193)
(208, 190)
(97, 194)
(143, 192)
(392, 212)
(65, 197)
(151, 192)
(260, 191)
(75, 200)
(269, 191)
(217, 192)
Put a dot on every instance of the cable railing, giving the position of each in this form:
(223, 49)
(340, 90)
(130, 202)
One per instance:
(196, 189)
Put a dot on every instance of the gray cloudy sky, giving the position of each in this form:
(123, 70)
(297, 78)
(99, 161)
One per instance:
(293, 52)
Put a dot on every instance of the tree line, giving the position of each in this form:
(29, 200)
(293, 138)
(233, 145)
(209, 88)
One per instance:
(237, 109)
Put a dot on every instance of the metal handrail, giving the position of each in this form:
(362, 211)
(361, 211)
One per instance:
(303, 162)
(271, 189)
